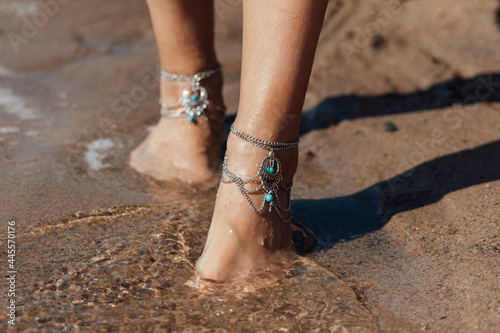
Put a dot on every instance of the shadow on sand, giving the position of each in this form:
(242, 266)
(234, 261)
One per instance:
(348, 217)
(483, 88)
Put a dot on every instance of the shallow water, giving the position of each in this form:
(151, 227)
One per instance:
(131, 269)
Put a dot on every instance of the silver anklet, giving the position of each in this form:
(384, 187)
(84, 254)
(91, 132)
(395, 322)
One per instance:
(194, 99)
(269, 174)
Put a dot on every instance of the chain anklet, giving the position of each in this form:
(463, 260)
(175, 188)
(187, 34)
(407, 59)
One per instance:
(194, 99)
(270, 176)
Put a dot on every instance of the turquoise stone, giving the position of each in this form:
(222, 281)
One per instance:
(269, 197)
(271, 170)
(194, 97)
(191, 118)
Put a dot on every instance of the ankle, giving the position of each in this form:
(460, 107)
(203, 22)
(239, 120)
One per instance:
(171, 91)
(244, 158)
(194, 96)
(263, 173)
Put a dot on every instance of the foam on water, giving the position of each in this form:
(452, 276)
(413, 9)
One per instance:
(8, 130)
(18, 8)
(31, 133)
(96, 153)
(5, 72)
(16, 105)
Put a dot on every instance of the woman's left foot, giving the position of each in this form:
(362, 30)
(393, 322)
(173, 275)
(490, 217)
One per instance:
(178, 148)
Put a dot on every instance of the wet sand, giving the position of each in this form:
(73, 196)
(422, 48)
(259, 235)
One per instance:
(399, 175)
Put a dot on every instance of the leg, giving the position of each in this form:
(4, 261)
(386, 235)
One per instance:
(279, 42)
(176, 148)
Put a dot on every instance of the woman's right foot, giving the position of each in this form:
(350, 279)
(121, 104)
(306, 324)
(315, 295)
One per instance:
(179, 149)
(240, 242)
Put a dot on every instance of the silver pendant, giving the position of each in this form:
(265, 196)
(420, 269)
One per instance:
(194, 100)
(270, 177)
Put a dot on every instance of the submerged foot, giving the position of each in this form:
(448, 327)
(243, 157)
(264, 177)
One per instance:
(241, 242)
(181, 149)
(178, 149)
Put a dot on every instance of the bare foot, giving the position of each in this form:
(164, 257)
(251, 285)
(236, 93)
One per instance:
(241, 242)
(180, 149)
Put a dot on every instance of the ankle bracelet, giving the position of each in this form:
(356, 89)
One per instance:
(270, 176)
(194, 99)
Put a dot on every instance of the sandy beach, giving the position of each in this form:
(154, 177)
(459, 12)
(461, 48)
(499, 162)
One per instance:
(399, 175)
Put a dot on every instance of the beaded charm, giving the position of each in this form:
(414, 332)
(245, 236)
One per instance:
(194, 99)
